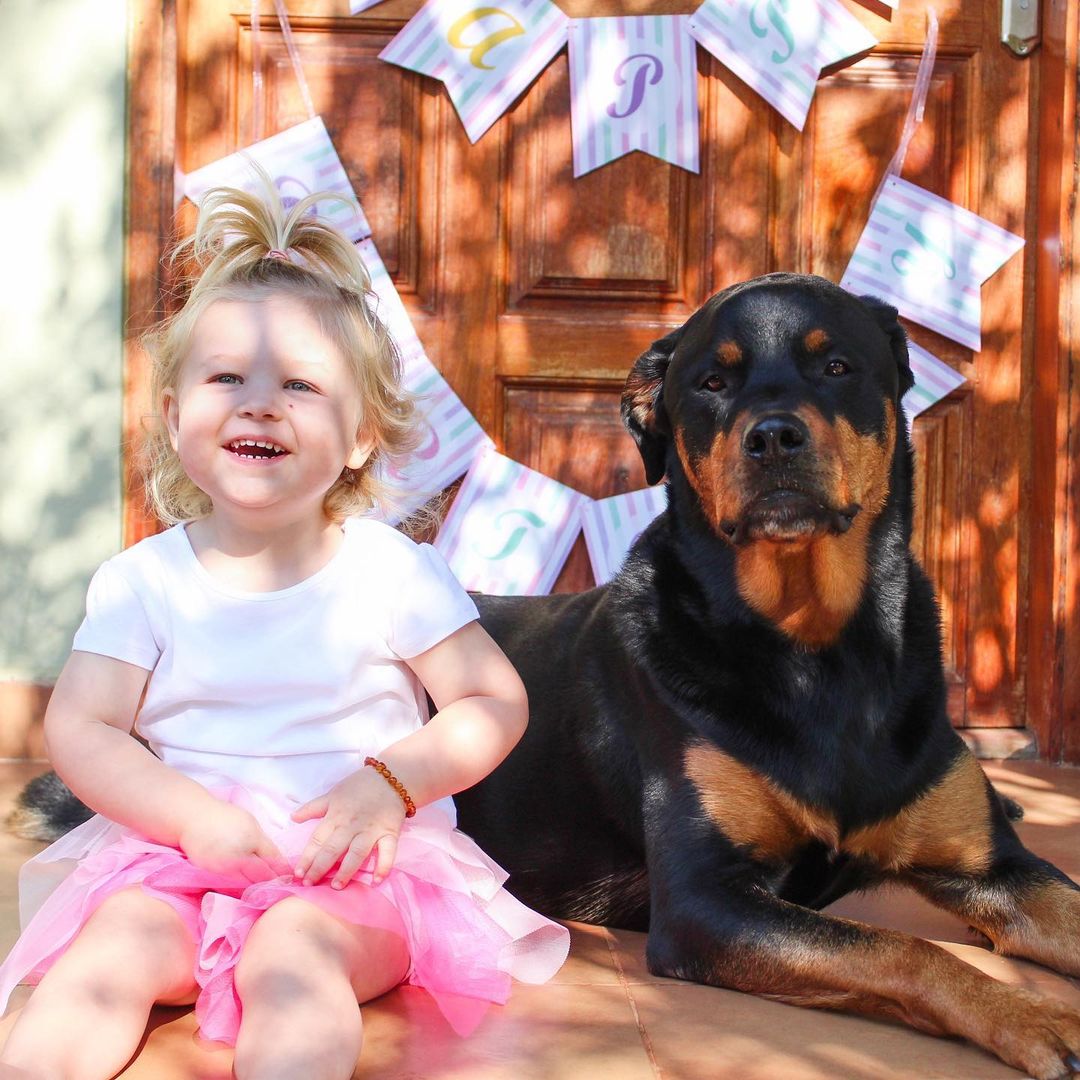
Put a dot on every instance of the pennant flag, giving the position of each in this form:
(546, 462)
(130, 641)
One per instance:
(356, 6)
(388, 307)
(486, 56)
(612, 525)
(510, 528)
(301, 161)
(633, 86)
(927, 257)
(934, 379)
(452, 437)
(779, 49)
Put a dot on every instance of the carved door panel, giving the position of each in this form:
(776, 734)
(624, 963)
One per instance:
(533, 292)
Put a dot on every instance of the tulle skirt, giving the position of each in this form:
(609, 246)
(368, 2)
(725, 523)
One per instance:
(466, 935)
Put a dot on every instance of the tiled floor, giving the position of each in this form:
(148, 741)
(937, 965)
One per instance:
(605, 1016)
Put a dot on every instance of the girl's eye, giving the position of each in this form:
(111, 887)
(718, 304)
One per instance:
(298, 384)
(714, 383)
(836, 368)
(228, 378)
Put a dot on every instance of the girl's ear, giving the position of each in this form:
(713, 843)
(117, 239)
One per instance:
(170, 411)
(360, 453)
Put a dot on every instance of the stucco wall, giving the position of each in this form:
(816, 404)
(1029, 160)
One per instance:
(62, 90)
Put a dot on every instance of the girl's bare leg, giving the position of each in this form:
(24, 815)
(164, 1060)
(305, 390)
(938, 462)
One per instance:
(86, 1017)
(300, 978)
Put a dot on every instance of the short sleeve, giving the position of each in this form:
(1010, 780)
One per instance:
(429, 604)
(116, 622)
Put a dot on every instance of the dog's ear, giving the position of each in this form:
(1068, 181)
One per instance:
(888, 318)
(643, 405)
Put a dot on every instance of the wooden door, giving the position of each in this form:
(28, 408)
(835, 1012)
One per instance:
(533, 292)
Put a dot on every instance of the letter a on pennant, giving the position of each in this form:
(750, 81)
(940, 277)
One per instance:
(485, 53)
(633, 86)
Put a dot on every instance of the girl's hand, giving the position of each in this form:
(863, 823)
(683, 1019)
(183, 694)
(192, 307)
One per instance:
(230, 841)
(361, 813)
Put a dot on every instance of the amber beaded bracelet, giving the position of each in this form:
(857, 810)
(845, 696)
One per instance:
(394, 782)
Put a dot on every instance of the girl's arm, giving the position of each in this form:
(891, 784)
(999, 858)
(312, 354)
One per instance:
(88, 737)
(482, 713)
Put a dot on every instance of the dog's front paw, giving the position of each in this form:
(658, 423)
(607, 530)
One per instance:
(1039, 1036)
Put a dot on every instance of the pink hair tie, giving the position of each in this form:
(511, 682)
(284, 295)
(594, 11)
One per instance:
(275, 254)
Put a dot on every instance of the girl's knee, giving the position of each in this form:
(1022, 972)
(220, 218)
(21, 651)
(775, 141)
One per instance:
(134, 913)
(136, 940)
(294, 948)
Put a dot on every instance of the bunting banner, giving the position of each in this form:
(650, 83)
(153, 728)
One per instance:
(928, 257)
(486, 56)
(301, 161)
(612, 525)
(934, 379)
(633, 86)
(777, 48)
(510, 528)
(452, 438)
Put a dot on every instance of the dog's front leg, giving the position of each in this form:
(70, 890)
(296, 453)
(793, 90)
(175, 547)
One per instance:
(717, 923)
(1023, 904)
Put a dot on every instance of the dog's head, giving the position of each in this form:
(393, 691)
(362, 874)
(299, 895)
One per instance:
(775, 414)
(779, 401)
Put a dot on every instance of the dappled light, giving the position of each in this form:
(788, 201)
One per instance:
(533, 291)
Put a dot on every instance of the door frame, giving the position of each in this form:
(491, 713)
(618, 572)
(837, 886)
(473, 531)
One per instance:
(1053, 530)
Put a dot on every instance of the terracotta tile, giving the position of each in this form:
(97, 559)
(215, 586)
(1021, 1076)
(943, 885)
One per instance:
(590, 961)
(554, 1032)
(701, 1033)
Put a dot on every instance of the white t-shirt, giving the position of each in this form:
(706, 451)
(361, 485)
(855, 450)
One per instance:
(286, 691)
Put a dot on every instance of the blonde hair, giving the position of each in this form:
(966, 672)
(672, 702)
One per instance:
(231, 249)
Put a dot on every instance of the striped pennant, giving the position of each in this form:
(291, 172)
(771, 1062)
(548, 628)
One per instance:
(612, 525)
(510, 528)
(780, 51)
(927, 257)
(452, 437)
(301, 161)
(934, 379)
(633, 86)
(486, 56)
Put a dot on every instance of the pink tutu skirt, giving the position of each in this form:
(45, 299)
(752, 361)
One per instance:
(466, 935)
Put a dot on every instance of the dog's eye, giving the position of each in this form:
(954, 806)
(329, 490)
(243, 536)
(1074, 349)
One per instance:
(836, 368)
(715, 383)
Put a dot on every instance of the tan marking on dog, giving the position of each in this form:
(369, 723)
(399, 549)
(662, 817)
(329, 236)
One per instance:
(750, 809)
(816, 341)
(946, 827)
(810, 590)
(708, 475)
(1045, 928)
(843, 964)
(728, 353)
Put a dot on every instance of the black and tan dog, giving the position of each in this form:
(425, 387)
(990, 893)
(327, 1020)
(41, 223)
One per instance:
(749, 721)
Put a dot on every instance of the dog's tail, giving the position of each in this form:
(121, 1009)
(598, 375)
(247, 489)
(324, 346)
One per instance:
(46, 809)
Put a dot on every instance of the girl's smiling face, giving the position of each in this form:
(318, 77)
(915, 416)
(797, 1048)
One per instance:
(266, 413)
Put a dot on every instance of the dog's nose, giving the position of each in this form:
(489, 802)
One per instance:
(776, 439)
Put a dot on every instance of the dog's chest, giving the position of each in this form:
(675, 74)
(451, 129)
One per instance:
(770, 824)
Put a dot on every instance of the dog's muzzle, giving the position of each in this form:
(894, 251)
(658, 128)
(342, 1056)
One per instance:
(785, 502)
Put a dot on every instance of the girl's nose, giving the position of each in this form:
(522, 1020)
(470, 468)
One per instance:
(261, 402)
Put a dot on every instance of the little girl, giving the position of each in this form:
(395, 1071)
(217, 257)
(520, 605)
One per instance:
(288, 849)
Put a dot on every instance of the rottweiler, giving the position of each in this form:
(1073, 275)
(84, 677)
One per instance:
(749, 720)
